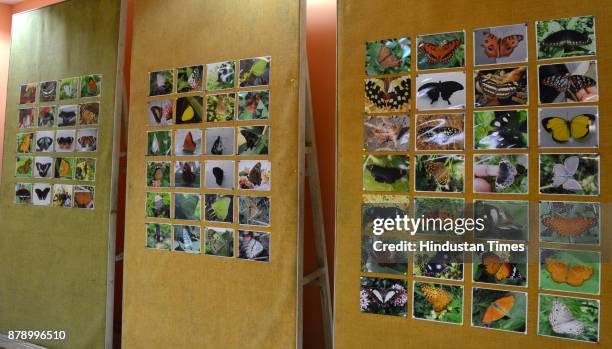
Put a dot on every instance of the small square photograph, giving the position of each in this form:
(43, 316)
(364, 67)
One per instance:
(219, 141)
(187, 174)
(67, 115)
(91, 85)
(499, 310)
(89, 114)
(26, 118)
(85, 169)
(570, 270)
(386, 173)
(23, 193)
(188, 142)
(219, 242)
(500, 268)
(84, 196)
(376, 260)
(161, 82)
(159, 236)
(439, 173)
(63, 168)
(254, 105)
(440, 131)
(569, 222)
(159, 143)
(253, 140)
(43, 167)
(157, 205)
(573, 82)
(219, 208)
(68, 89)
(506, 174)
(187, 206)
(220, 76)
(186, 238)
(87, 140)
(501, 129)
(440, 91)
(254, 71)
(46, 116)
(160, 112)
(254, 174)
(571, 174)
(566, 37)
(25, 143)
(390, 56)
(376, 206)
(386, 133)
(62, 195)
(189, 79)
(444, 50)
(42, 194)
(387, 95)
(438, 265)
(24, 166)
(501, 87)
(254, 245)
(571, 127)
(499, 45)
(48, 91)
(219, 174)
(189, 110)
(438, 302)
(27, 93)
(158, 174)
(254, 210)
(220, 107)
(439, 208)
(383, 296)
(502, 220)
(568, 318)
(64, 141)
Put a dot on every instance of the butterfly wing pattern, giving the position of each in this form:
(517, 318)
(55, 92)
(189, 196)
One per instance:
(387, 94)
(563, 321)
(439, 53)
(444, 89)
(495, 47)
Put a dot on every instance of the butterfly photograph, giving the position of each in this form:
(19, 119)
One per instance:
(89, 113)
(24, 166)
(63, 168)
(65, 141)
(386, 173)
(85, 169)
(69, 88)
(219, 242)
(186, 238)
(27, 93)
(502, 220)
(440, 131)
(440, 91)
(188, 142)
(159, 236)
(254, 105)
(383, 296)
(41, 194)
(67, 115)
(219, 174)
(25, 143)
(159, 143)
(26, 118)
(23, 193)
(438, 302)
(569, 318)
(220, 75)
(390, 56)
(501, 129)
(254, 174)
(187, 174)
(498, 45)
(438, 208)
(254, 210)
(387, 95)
(187, 206)
(507, 173)
(220, 107)
(439, 173)
(444, 50)
(500, 87)
(570, 270)
(499, 310)
(46, 116)
(161, 82)
(568, 222)
(84, 197)
(254, 71)
(219, 141)
(160, 112)
(157, 205)
(571, 127)
(254, 245)
(500, 268)
(253, 140)
(438, 265)
(574, 82)
(91, 85)
(62, 195)
(386, 262)
(189, 110)
(189, 79)
(48, 91)
(386, 133)
(572, 174)
(158, 174)
(566, 37)
(375, 206)
(87, 140)
(219, 208)
(43, 167)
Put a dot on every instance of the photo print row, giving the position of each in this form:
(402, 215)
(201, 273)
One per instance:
(65, 115)
(84, 86)
(55, 195)
(60, 141)
(66, 168)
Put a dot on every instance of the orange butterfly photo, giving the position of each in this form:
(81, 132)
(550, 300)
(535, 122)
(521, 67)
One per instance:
(390, 56)
(570, 222)
(500, 268)
(443, 50)
(499, 310)
(498, 45)
(439, 173)
(438, 302)
(570, 270)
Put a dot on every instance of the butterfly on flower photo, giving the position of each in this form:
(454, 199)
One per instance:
(189, 79)
(386, 173)
(159, 236)
(574, 127)
(501, 87)
(499, 310)
(576, 174)
(186, 238)
(390, 56)
(219, 242)
(438, 265)
(568, 82)
(566, 37)
(570, 270)
(444, 50)
(387, 262)
(501, 173)
(500, 129)
(568, 317)
(440, 131)
(569, 222)
(376, 206)
(438, 302)
(502, 220)
(503, 44)
(441, 173)
(388, 94)
(386, 133)
(383, 296)
(500, 268)
(440, 91)
(438, 208)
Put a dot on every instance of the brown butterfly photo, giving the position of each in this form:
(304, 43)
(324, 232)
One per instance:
(503, 44)
(439, 173)
(570, 222)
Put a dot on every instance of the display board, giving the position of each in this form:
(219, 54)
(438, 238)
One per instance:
(58, 191)
(214, 189)
(481, 110)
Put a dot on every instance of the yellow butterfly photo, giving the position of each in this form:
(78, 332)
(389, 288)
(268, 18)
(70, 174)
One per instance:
(569, 127)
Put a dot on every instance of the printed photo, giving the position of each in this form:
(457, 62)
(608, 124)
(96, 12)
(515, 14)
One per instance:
(186, 237)
(383, 296)
(571, 127)
(25, 143)
(161, 82)
(383, 261)
(220, 76)
(438, 302)
(254, 174)
(69, 88)
(187, 206)
(573, 174)
(23, 193)
(64, 168)
(85, 169)
(91, 85)
(254, 105)
(62, 195)
(502, 220)
(386, 173)
(27, 93)
(254, 210)
(219, 242)
(376, 206)
(87, 140)
(501, 174)
(24, 166)
(46, 116)
(254, 245)
(219, 174)
(501, 87)
(570, 222)
(67, 115)
(189, 79)
(445, 50)
(219, 141)
(159, 143)
(499, 310)
(219, 208)
(160, 112)
(438, 265)
(159, 236)
(574, 82)
(48, 91)
(43, 167)
(158, 174)
(188, 142)
(255, 71)
(501, 129)
(566, 37)
(220, 107)
(42, 194)
(442, 208)
(189, 110)
(440, 131)
(570, 270)
(498, 45)
(500, 268)
(253, 140)
(387, 95)
(390, 56)
(568, 318)
(89, 114)
(386, 133)
(157, 205)
(440, 91)
(439, 173)
(84, 196)
(187, 174)
(26, 118)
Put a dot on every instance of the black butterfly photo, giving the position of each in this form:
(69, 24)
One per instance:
(220, 140)
(440, 131)
(43, 169)
(387, 94)
(253, 140)
(42, 194)
(386, 173)
(44, 144)
(67, 116)
(568, 82)
(505, 220)
(442, 265)
(373, 209)
(440, 89)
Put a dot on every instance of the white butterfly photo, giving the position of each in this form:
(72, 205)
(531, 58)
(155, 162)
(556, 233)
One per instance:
(569, 317)
(570, 174)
